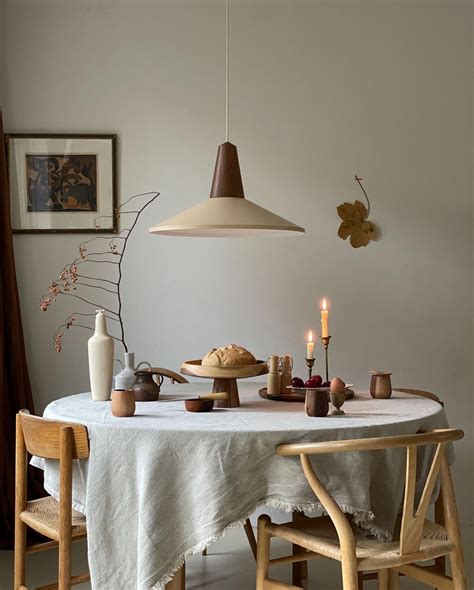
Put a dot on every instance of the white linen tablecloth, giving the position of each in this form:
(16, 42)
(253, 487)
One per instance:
(165, 483)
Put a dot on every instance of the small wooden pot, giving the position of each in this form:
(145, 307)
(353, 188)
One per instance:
(317, 403)
(380, 385)
(123, 403)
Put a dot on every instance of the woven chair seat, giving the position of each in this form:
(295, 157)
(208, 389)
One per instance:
(43, 516)
(319, 535)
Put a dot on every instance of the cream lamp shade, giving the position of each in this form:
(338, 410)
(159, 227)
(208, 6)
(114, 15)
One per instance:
(227, 213)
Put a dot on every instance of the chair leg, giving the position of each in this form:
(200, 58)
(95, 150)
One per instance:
(440, 562)
(20, 555)
(388, 579)
(263, 551)
(300, 568)
(383, 579)
(457, 570)
(350, 580)
(179, 580)
(204, 552)
(64, 565)
(251, 537)
(360, 580)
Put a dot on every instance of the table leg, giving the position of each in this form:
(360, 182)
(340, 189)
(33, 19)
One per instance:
(251, 537)
(179, 580)
(300, 568)
(230, 386)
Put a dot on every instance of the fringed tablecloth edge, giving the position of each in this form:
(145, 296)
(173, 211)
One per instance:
(362, 518)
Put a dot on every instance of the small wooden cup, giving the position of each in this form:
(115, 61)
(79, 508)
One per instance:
(317, 403)
(123, 403)
(380, 385)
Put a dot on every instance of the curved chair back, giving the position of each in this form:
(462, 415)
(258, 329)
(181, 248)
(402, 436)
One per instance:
(413, 518)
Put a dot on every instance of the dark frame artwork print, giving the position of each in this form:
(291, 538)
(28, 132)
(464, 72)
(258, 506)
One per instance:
(62, 183)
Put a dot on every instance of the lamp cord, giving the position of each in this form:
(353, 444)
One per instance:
(227, 72)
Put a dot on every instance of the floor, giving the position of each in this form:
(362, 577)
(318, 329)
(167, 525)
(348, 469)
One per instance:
(228, 566)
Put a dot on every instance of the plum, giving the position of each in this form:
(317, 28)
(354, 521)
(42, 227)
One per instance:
(297, 382)
(316, 381)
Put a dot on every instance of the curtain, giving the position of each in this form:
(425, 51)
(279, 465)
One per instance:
(15, 389)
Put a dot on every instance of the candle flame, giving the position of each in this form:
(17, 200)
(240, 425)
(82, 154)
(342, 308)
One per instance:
(325, 304)
(310, 336)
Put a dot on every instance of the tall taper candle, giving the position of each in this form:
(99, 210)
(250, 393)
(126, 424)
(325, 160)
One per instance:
(324, 319)
(310, 346)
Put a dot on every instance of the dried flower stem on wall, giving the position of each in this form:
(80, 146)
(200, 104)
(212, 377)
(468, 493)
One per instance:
(72, 276)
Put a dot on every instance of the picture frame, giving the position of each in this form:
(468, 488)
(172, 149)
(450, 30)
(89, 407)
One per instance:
(62, 183)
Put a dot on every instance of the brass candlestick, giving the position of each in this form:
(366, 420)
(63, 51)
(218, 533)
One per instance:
(326, 340)
(310, 364)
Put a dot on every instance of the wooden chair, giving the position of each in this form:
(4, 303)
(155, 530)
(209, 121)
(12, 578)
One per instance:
(440, 562)
(55, 520)
(336, 537)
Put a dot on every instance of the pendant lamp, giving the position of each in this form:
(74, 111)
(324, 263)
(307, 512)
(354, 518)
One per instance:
(227, 213)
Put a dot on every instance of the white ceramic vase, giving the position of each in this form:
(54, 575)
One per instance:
(101, 359)
(126, 378)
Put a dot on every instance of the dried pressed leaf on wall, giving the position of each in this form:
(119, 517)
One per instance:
(354, 221)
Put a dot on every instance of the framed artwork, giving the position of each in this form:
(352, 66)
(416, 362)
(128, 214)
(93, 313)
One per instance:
(62, 183)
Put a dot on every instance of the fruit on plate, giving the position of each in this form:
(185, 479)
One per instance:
(326, 384)
(297, 382)
(316, 381)
(308, 383)
(337, 385)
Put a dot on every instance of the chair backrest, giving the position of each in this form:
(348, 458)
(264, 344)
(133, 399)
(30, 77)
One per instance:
(171, 375)
(413, 518)
(419, 392)
(43, 437)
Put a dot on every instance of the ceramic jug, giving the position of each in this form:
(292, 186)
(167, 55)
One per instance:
(126, 377)
(145, 388)
(101, 359)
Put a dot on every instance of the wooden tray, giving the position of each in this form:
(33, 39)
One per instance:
(281, 397)
(225, 378)
(195, 369)
(293, 397)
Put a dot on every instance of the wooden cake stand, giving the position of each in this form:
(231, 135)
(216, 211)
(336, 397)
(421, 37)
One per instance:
(225, 378)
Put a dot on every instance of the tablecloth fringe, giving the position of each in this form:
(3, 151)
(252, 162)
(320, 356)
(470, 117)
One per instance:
(362, 518)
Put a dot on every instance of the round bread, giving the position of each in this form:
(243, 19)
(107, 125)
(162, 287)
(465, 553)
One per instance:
(228, 356)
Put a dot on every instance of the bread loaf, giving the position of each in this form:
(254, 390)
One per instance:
(228, 356)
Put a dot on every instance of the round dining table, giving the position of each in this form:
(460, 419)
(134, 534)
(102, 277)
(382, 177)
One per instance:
(165, 483)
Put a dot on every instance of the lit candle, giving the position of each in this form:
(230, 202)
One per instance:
(324, 319)
(310, 346)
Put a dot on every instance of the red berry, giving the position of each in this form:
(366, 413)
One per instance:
(297, 382)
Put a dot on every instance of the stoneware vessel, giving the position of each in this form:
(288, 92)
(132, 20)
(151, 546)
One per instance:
(126, 377)
(145, 387)
(380, 385)
(123, 403)
(101, 359)
(317, 403)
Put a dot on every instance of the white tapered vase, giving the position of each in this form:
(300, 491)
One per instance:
(101, 360)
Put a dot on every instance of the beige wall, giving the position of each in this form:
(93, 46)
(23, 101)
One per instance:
(319, 91)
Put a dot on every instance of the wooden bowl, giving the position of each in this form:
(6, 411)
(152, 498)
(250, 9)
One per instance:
(199, 405)
(196, 369)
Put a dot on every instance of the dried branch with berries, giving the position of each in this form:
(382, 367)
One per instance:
(87, 274)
